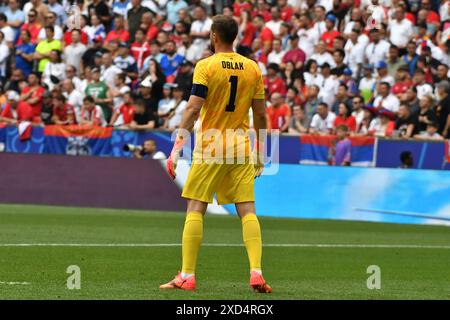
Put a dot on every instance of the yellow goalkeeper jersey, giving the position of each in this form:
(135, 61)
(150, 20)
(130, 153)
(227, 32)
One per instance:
(228, 82)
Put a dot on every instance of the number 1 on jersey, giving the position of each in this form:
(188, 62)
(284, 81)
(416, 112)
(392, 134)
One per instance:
(231, 106)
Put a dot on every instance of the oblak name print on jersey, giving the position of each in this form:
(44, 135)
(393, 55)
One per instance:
(233, 65)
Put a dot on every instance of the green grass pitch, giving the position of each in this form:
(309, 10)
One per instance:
(134, 272)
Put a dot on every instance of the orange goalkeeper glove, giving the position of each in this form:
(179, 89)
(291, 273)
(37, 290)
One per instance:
(171, 164)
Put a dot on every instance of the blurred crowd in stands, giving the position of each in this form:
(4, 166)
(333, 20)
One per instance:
(378, 67)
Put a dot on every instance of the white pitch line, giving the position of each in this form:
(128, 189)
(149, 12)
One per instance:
(276, 245)
(13, 283)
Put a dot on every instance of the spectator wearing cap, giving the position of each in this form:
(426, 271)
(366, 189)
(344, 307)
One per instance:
(140, 49)
(32, 26)
(406, 123)
(118, 34)
(32, 94)
(426, 113)
(91, 54)
(125, 61)
(322, 56)
(278, 114)
(422, 87)
(344, 117)
(329, 86)
(383, 74)
(98, 91)
(15, 110)
(377, 49)
(92, 114)
(96, 30)
(384, 125)
(264, 34)
(400, 29)
(74, 51)
(134, 16)
(323, 121)
(184, 78)
(171, 60)
(385, 99)
(295, 55)
(273, 83)
(277, 53)
(63, 113)
(51, 20)
(45, 47)
(330, 33)
(443, 108)
(200, 29)
(368, 121)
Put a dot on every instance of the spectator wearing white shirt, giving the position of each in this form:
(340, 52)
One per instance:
(322, 56)
(319, 20)
(14, 15)
(73, 97)
(400, 29)
(74, 51)
(275, 23)
(354, 52)
(4, 54)
(383, 74)
(8, 32)
(307, 35)
(200, 29)
(109, 70)
(377, 49)
(423, 88)
(329, 86)
(323, 121)
(312, 75)
(277, 54)
(50, 19)
(386, 100)
(358, 111)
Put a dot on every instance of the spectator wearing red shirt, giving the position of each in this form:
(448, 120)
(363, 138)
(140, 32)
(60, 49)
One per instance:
(15, 111)
(273, 83)
(239, 6)
(247, 28)
(404, 81)
(262, 9)
(431, 16)
(331, 33)
(286, 10)
(296, 55)
(32, 94)
(345, 118)
(278, 114)
(124, 115)
(63, 113)
(32, 26)
(140, 49)
(119, 33)
(264, 33)
(84, 38)
(150, 28)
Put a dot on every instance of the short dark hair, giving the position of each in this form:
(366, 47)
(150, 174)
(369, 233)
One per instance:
(225, 27)
(89, 99)
(3, 17)
(323, 104)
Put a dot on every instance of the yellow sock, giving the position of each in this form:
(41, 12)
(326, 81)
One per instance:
(251, 233)
(192, 238)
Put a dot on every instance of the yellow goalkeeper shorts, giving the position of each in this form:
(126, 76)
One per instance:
(232, 183)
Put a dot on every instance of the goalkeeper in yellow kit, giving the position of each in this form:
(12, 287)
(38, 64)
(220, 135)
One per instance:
(225, 86)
